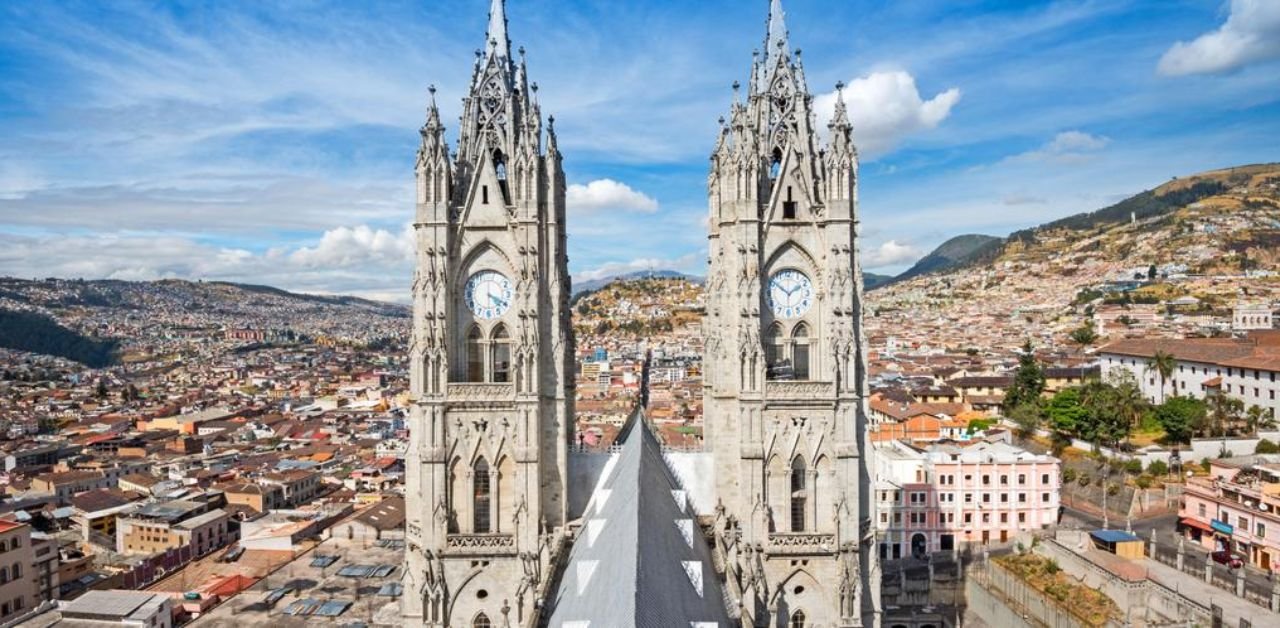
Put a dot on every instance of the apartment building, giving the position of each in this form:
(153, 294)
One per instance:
(298, 487)
(170, 525)
(1236, 508)
(1245, 368)
(18, 593)
(931, 499)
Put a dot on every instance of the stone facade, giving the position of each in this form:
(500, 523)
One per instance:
(785, 368)
(491, 355)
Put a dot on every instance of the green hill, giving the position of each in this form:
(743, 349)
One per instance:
(37, 333)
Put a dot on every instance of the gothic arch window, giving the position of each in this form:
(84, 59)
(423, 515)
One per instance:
(500, 350)
(500, 164)
(482, 494)
(481, 621)
(798, 494)
(797, 619)
(775, 163)
(800, 351)
(475, 355)
(775, 351)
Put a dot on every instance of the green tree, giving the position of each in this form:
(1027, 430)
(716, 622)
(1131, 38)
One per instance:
(1163, 363)
(1152, 272)
(1267, 447)
(1065, 413)
(1084, 335)
(1181, 418)
(1027, 417)
(1224, 411)
(1028, 382)
(1257, 417)
(1158, 468)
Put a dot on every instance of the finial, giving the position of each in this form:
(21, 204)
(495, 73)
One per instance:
(479, 53)
(839, 86)
(551, 121)
(737, 86)
(534, 87)
(521, 51)
(721, 120)
(798, 53)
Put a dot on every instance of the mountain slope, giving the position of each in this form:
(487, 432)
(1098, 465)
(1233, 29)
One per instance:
(38, 333)
(958, 251)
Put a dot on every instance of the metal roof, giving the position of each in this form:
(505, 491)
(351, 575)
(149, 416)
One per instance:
(640, 558)
(1114, 536)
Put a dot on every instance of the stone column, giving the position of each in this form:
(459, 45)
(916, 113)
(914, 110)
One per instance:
(1182, 552)
(1151, 545)
(1240, 581)
(1208, 567)
(1275, 594)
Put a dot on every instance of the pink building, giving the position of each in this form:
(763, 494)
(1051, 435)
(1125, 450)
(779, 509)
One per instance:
(928, 500)
(1236, 508)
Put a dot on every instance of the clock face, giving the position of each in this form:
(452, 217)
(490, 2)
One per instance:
(790, 294)
(488, 294)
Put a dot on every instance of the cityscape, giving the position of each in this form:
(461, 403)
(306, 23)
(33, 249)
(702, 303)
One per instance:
(1069, 422)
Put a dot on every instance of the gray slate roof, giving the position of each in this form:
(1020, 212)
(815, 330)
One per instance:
(640, 559)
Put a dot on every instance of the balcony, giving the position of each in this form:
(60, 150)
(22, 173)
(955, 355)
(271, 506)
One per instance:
(801, 544)
(480, 545)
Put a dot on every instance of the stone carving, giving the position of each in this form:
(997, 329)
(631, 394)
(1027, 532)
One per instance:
(801, 543)
(481, 544)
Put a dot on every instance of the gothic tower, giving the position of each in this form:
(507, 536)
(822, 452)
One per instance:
(491, 355)
(785, 375)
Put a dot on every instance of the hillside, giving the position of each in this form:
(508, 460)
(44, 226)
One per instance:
(958, 251)
(1212, 239)
(592, 285)
(37, 333)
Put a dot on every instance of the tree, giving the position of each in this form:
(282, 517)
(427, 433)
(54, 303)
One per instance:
(1028, 418)
(1225, 411)
(1267, 447)
(1084, 335)
(1152, 272)
(1163, 364)
(1028, 382)
(1065, 413)
(102, 388)
(1256, 417)
(1181, 417)
(1158, 468)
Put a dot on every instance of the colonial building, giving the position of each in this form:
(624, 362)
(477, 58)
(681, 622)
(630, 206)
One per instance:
(785, 394)
(491, 355)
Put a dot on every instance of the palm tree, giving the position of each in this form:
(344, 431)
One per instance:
(1163, 364)
(1257, 417)
(1224, 410)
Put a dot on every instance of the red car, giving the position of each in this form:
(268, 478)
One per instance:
(1227, 558)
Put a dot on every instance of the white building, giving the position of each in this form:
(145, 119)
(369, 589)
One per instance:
(1245, 368)
(120, 608)
(1252, 316)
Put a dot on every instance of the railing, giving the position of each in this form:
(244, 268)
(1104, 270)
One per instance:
(798, 391)
(481, 544)
(481, 391)
(801, 543)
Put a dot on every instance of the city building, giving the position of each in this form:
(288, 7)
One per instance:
(297, 487)
(18, 591)
(1252, 316)
(119, 608)
(1245, 368)
(169, 525)
(931, 499)
(1236, 508)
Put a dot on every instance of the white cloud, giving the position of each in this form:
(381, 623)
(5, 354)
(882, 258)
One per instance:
(885, 108)
(890, 253)
(1251, 33)
(345, 247)
(607, 194)
(1066, 147)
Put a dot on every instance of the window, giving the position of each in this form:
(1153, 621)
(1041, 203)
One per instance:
(797, 619)
(1261, 531)
(789, 206)
(475, 356)
(1004, 480)
(801, 338)
(775, 164)
(1044, 497)
(986, 498)
(1004, 517)
(481, 621)
(1004, 498)
(986, 479)
(968, 498)
(917, 498)
(484, 194)
(1022, 479)
(774, 349)
(1022, 498)
(482, 491)
(797, 494)
(986, 517)
(968, 517)
(501, 349)
(1044, 479)
(1022, 517)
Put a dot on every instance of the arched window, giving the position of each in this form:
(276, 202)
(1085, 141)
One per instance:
(17, 571)
(482, 491)
(798, 494)
(775, 163)
(775, 352)
(4, 575)
(481, 621)
(500, 164)
(475, 356)
(797, 619)
(801, 351)
(501, 349)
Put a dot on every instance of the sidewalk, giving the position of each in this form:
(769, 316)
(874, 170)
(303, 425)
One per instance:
(1196, 589)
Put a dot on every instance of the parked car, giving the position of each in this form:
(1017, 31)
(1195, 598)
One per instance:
(1227, 558)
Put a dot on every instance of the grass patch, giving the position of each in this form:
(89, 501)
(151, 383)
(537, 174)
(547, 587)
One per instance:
(1044, 575)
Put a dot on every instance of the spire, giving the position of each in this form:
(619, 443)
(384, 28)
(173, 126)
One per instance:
(496, 42)
(840, 120)
(777, 28)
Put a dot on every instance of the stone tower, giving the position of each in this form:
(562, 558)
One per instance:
(491, 355)
(786, 369)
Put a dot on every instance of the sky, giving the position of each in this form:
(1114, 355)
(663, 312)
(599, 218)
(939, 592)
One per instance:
(273, 142)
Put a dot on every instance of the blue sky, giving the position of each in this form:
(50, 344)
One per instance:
(273, 142)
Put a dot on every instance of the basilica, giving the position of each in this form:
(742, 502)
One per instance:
(507, 525)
